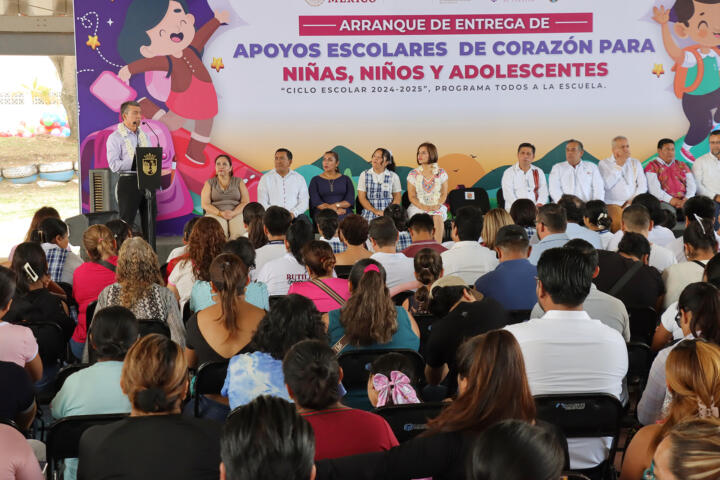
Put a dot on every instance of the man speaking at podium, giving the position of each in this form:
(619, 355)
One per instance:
(121, 145)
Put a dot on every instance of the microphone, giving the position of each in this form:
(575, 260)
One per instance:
(153, 131)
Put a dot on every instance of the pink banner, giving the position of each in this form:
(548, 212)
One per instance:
(332, 25)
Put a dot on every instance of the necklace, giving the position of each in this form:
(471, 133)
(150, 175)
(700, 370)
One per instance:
(332, 185)
(225, 186)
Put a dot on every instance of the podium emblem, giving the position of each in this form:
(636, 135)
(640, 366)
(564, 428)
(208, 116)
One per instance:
(149, 164)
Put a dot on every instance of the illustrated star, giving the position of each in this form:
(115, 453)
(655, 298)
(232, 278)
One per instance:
(93, 42)
(217, 64)
(658, 70)
(110, 21)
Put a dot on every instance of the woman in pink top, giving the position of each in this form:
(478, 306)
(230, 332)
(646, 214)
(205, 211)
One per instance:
(323, 289)
(17, 343)
(90, 278)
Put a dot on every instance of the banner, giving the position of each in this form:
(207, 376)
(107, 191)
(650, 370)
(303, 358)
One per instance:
(475, 77)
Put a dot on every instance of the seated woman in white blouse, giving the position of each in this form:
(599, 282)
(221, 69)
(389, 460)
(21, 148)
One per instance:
(427, 187)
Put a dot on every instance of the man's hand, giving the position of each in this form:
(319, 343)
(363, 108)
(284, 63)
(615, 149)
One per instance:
(676, 202)
(717, 198)
(660, 15)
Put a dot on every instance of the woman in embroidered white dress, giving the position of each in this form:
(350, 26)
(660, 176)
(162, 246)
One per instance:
(427, 188)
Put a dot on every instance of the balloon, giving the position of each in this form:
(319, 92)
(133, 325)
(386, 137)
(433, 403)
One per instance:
(56, 132)
(47, 121)
(65, 132)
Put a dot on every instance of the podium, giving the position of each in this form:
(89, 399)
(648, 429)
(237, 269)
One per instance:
(149, 170)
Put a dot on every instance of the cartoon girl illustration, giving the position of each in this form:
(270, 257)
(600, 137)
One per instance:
(160, 36)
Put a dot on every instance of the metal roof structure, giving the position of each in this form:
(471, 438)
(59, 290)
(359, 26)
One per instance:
(36, 27)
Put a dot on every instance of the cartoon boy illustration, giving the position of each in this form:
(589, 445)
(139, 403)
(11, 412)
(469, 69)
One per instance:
(697, 68)
(159, 35)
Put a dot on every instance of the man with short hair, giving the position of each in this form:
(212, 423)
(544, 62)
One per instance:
(550, 225)
(606, 308)
(623, 175)
(670, 180)
(524, 180)
(636, 219)
(568, 352)
(467, 258)
(398, 267)
(512, 283)
(422, 233)
(576, 176)
(284, 187)
(575, 213)
(327, 224)
(266, 440)
(706, 169)
(276, 222)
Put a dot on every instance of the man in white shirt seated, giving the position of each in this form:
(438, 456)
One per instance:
(276, 222)
(636, 219)
(623, 175)
(398, 267)
(282, 272)
(566, 351)
(575, 213)
(576, 176)
(284, 187)
(659, 234)
(706, 169)
(468, 259)
(551, 224)
(696, 207)
(524, 180)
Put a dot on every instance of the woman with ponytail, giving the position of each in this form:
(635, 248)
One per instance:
(598, 220)
(280, 273)
(428, 268)
(313, 376)
(699, 317)
(326, 292)
(54, 237)
(155, 442)
(96, 390)
(253, 219)
(92, 277)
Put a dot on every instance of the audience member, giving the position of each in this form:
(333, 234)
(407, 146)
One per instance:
(466, 317)
(353, 234)
(224, 196)
(331, 190)
(422, 234)
(627, 276)
(276, 223)
(598, 305)
(492, 387)
(700, 246)
(699, 317)
(96, 389)
(623, 175)
(379, 187)
(399, 216)
(206, 242)
(139, 288)
(155, 442)
(515, 450)
(551, 223)
(492, 222)
(40, 214)
(17, 343)
(253, 214)
(690, 451)
(636, 219)
(427, 188)
(566, 351)
(283, 187)
(659, 233)
(512, 283)
(18, 460)
(17, 402)
(121, 230)
(292, 319)
(267, 440)
(280, 273)
(669, 180)
(575, 214)
(524, 213)
(181, 250)
(467, 258)
(696, 207)
(313, 376)
(576, 176)
(54, 237)
(384, 236)
(523, 180)
(327, 224)
(391, 381)
(326, 292)
(693, 377)
(597, 219)
(428, 268)
(256, 293)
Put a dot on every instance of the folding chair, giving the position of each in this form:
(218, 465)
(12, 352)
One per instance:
(146, 326)
(400, 297)
(643, 322)
(408, 421)
(343, 271)
(89, 314)
(584, 415)
(640, 358)
(11, 423)
(210, 379)
(65, 372)
(356, 366)
(63, 439)
(461, 197)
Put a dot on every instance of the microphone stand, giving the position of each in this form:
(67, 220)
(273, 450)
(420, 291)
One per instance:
(149, 200)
